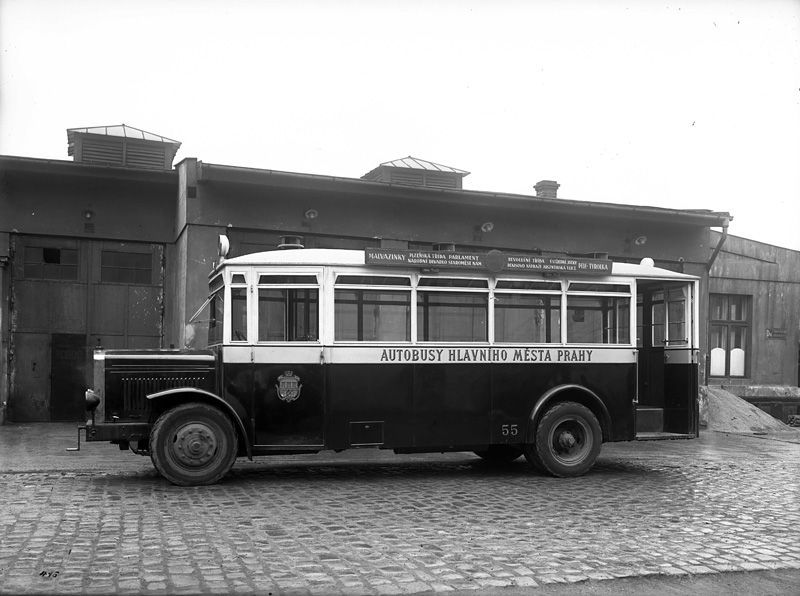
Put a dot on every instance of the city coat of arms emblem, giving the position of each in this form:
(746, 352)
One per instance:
(288, 386)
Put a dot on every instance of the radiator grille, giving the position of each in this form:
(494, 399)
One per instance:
(136, 388)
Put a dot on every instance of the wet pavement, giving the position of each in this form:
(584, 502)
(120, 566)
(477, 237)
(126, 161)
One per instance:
(369, 522)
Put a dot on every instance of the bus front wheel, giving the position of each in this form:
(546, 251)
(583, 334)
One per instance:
(567, 440)
(193, 444)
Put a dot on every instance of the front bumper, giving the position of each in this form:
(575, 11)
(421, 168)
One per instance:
(118, 431)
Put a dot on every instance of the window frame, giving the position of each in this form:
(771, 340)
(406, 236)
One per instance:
(254, 297)
(145, 254)
(727, 323)
(326, 286)
(228, 306)
(373, 288)
(526, 292)
(630, 295)
(41, 246)
(415, 305)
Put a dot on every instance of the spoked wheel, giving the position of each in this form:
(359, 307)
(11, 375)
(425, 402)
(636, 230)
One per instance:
(500, 454)
(567, 442)
(193, 444)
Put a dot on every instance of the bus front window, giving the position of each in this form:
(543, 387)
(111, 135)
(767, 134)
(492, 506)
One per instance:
(216, 317)
(238, 314)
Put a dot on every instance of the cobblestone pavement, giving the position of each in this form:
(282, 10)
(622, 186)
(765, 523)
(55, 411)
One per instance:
(368, 522)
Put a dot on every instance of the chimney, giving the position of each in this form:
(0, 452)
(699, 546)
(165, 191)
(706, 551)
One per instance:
(546, 189)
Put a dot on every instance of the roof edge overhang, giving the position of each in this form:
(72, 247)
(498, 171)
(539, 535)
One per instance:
(31, 165)
(237, 175)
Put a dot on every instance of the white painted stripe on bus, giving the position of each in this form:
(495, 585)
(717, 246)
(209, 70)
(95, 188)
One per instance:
(433, 355)
(155, 356)
(285, 354)
(481, 355)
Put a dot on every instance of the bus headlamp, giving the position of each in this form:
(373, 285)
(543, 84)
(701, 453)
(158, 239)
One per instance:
(92, 400)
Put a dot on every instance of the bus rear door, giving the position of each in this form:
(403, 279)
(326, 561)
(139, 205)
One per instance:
(667, 359)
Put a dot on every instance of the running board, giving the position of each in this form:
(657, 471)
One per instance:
(649, 420)
(662, 436)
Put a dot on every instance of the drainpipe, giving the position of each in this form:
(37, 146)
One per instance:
(713, 258)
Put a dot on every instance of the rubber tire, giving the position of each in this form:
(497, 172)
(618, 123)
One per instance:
(204, 428)
(582, 425)
(500, 454)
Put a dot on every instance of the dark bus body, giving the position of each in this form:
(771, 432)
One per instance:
(315, 350)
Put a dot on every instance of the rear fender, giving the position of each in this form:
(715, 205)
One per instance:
(184, 394)
(569, 392)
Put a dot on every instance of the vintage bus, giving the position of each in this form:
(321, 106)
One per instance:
(415, 351)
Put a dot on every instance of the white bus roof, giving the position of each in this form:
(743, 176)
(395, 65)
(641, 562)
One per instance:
(334, 256)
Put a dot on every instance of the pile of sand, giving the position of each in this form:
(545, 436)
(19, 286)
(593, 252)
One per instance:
(725, 412)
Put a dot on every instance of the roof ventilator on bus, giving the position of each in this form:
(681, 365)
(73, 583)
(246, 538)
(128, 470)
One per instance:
(290, 242)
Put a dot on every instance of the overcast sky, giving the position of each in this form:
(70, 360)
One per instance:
(691, 105)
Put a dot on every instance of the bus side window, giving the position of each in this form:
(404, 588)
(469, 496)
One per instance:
(372, 315)
(288, 313)
(527, 311)
(598, 319)
(527, 318)
(452, 310)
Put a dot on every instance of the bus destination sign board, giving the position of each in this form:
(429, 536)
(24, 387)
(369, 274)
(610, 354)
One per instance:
(494, 261)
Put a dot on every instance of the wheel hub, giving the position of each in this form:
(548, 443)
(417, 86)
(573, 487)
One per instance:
(194, 445)
(566, 440)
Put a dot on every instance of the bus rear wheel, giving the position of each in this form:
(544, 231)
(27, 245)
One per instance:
(567, 441)
(499, 454)
(193, 444)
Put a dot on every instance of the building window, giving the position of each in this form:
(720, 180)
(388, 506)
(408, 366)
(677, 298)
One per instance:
(126, 267)
(729, 335)
(51, 263)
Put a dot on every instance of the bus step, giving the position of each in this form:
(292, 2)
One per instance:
(649, 420)
(663, 436)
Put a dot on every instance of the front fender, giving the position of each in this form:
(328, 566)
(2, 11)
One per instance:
(233, 408)
(577, 393)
